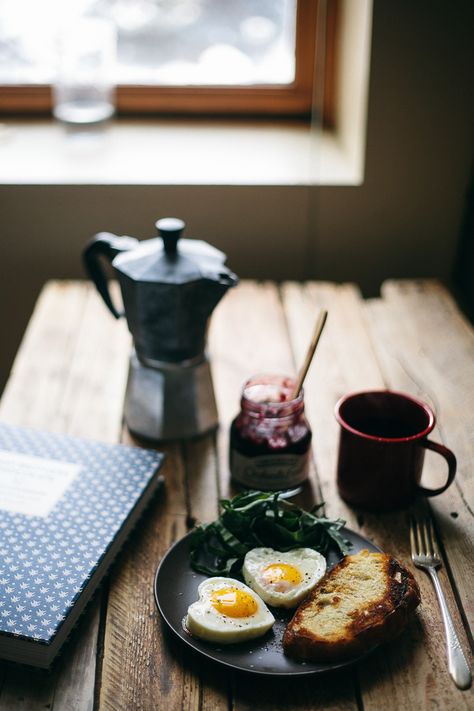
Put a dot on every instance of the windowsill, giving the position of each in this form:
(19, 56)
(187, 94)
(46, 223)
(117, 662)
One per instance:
(202, 152)
(174, 152)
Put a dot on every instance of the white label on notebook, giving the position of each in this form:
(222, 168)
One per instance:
(33, 485)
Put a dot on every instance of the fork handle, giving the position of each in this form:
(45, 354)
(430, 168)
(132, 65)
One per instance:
(457, 664)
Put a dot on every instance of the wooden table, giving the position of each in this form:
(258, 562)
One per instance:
(70, 376)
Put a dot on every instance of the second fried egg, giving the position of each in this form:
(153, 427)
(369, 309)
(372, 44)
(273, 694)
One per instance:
(227, 611)
(283, 579)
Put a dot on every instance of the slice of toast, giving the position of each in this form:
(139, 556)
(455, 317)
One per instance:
(364, 600)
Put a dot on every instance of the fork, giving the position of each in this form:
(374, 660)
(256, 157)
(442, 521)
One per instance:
(425, 555)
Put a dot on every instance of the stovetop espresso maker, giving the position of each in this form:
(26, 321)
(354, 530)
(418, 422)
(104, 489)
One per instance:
(169, 287)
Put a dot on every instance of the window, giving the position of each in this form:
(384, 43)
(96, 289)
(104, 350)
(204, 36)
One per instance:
(180, 56)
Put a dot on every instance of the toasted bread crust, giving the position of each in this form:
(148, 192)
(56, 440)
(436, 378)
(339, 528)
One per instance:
(379, 619)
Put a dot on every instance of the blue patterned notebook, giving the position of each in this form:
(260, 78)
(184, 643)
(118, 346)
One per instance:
(66, 506)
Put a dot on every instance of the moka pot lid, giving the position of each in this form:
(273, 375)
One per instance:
(170, 259)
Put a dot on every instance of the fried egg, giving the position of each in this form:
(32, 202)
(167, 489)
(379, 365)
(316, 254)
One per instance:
(227, 611)
(283, 579)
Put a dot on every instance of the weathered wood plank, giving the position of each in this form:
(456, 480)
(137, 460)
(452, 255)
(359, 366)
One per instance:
(202, 477)
(92, 403)
(249, 334)
(138, 668)
(341, 365)
(431, 354)
(74, 689)
(244, 330)
(143, 666)
(133, 629)
(39, 373)
(428, 350)
(202, 482)
(55, 384)
(410, 672)
(436, 349)
(134, 634)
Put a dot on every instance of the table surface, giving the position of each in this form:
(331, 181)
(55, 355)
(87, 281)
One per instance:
(70, 376)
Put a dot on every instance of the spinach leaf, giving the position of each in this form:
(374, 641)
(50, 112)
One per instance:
(254, 519)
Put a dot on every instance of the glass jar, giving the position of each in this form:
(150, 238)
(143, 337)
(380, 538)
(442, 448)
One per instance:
(270, 438)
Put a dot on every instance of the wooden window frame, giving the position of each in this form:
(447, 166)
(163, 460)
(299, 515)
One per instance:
(286, 100)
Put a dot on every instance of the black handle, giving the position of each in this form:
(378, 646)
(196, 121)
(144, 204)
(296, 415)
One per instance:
(107, 245)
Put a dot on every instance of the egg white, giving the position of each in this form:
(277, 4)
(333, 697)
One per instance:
(310, 564)
(208, 623)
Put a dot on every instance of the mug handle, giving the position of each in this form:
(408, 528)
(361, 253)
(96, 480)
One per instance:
(451, 460)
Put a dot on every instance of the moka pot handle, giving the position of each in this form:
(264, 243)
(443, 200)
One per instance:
(108, 245)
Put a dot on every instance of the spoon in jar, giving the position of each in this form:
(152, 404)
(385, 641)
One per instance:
(310, 353)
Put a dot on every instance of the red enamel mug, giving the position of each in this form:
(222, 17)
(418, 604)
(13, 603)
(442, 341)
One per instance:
(383, 439)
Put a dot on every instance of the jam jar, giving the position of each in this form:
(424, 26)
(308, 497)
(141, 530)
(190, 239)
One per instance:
(270, 438)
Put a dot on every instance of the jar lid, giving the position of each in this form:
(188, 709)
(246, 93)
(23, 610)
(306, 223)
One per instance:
(271, 395)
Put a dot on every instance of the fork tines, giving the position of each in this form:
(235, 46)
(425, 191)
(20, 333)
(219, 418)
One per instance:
(422, 538)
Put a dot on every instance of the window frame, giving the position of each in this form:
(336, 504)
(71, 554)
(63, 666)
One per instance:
(284, 100)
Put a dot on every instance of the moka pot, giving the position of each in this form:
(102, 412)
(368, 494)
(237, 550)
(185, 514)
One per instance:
(169, 286)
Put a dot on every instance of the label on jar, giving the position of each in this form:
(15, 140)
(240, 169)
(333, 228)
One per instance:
(275, 471)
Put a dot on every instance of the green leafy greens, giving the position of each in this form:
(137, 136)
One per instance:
(257, 518)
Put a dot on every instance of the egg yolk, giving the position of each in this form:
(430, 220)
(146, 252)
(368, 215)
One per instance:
(281, 572)
(233, 602)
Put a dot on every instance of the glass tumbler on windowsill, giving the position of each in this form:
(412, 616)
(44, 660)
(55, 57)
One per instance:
(84, 90)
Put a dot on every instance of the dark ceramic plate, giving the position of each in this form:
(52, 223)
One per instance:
(176, 587)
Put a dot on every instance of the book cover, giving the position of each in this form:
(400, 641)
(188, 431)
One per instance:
(66, 506)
